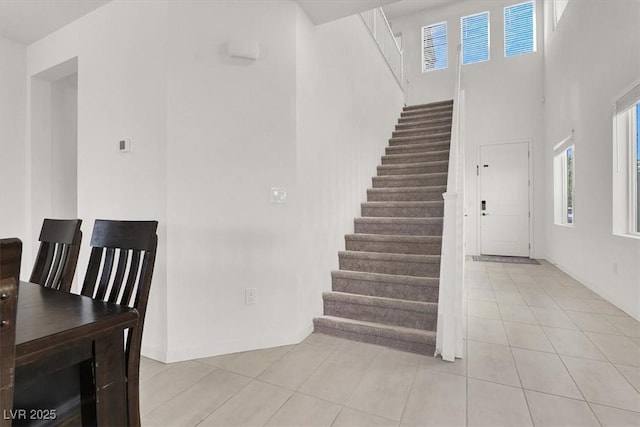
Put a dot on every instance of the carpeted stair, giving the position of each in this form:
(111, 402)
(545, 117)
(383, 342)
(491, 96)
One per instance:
(386, 291)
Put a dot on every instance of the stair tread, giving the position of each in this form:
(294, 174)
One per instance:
(383, 256)
(399, 238)
(414, 137)
(412, 155)
(404, 204)
(429, 104)
(381, 277)
(405, 220)
(383, 302)
(389, 331)
(413, 165)
(411, 175)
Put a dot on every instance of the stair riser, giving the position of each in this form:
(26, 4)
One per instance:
(425, 130)
(416, 269)
(399, 344)
(394, 247)
(417, 148)
(444, 122)
(430, 180)
(429, 168)
(424, 118)
(420, 140)
(406, 212)
(386, 290)
(405, 196)
(427, 111)
(399, 229)
(384, 315)
(418, 158)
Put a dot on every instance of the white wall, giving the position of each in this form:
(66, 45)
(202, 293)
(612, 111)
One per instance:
(231, 133)
(211, 135)
(347, 105)
(13, 154)
(503, 99)
(586, 67)
(121, 51)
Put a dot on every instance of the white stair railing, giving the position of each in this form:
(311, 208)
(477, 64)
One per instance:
(378, 25)
(451, 299)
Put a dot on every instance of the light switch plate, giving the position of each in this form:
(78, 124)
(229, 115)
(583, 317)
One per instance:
(124, 145)
(278, 195)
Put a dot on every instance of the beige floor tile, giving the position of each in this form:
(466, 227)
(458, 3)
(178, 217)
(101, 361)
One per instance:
(338, 376)
(361, 347)
(295, 367)
(554, 318)
(198, 401)
(510, 297)
(351, 418)
(618, 349)
(504, 287)
(253, 363)
(326, 341)
(544, 372)
(612, 417)
(486, 330)
(384, 388)
(496, 405)
(572, 343)
(303, 410)
(491, 362)
(253, 405)
(540, 300)
(169, 383)
(150, 367)
(600, 382)
(484, 309)
(481, 294)
(604, 307)
(436, 399)
(218, 361)
(593, 322)
(527, 336)
(516, 313)
(573, 303)
(631, 373)
(554, 411)
(459, 367)
(628, 325)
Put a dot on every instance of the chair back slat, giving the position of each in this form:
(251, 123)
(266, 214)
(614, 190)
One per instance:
(131, 278)
(118, 279)
(105, 277)
(57, 257)
(10, 257)
(134, 244)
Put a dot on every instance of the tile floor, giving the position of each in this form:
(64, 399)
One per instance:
(541, 350)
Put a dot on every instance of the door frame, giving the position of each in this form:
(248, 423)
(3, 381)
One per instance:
(530, 195)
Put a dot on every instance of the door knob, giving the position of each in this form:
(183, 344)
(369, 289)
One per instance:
(484, 214)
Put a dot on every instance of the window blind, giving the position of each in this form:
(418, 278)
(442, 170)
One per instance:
(434, 47)
(519, 29)
(628, 99)
(475, 38)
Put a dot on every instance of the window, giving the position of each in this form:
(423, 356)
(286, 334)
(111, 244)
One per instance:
(434, 47)
(626, 167)
(519, 29)
(475, 38)
(558, 9)
(564, 182)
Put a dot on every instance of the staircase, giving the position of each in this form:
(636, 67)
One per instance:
(386, 291)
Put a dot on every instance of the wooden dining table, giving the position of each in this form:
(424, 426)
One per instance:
(56, 330)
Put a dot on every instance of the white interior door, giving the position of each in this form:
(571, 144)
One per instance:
(504, 196)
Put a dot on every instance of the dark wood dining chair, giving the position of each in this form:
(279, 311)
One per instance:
(10, 256)
(120, 270)
(58, 254)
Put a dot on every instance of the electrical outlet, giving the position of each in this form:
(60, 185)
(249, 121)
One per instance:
(124, 145)
(250, 296)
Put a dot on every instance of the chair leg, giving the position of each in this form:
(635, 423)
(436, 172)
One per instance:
(133, 400)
